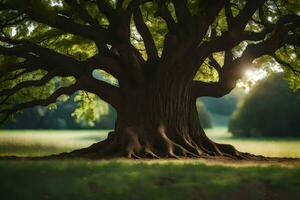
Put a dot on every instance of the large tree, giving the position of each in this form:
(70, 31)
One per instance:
(164, 54)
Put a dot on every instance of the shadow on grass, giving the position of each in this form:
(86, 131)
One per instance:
(129, 180)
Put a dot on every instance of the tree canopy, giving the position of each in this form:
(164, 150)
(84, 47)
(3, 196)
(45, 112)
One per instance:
(50, 48)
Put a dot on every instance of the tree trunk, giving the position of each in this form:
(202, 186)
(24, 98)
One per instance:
(158, 120)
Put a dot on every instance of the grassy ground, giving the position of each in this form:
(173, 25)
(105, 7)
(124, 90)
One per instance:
(118, 180)
(274, 147)
(123, 179)
(41, 142)
(38, 143)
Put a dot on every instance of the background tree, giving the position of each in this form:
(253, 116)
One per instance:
(204, 116)
(65, 115)
(271, 109)
(164, 55)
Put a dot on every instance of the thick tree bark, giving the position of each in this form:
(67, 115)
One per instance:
(158, 120)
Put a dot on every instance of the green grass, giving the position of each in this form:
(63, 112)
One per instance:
(124, 179)
(41, 142)
(274, 147)
(117, 180)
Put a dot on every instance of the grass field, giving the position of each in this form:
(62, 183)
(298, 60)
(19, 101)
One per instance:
(40, 142)
(130, 180)
(142, 180)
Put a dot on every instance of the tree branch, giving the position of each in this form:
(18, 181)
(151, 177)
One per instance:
(79, 8)
(42, 55)
(26, 84)
(119, 4)
(165, 14)
(211, 89)
(214, 63)
(206, 16)
(241, 20)
(234, 69)
(18, 66)
(106, 9)
(182, 12)
(17, 75)
(146, 35)
(228, 14)
(230, 39)
(105, 91)
(108, 64)
(59, 21)
(286, 64)
(43, 102)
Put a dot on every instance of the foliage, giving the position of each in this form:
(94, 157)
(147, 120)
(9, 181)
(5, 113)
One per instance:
(91, 110)
(102, 116)
(270, 109)
(223, 106)
(64, 28)
(203, 115)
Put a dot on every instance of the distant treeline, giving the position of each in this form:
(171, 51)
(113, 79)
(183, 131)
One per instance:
(59, 118)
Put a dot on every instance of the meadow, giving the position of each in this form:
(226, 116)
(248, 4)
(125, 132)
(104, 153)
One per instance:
(41, 142)
(142, 179)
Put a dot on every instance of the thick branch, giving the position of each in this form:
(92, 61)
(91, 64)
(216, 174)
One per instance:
(83, 13)
(146, 35)
(108, 64)
(15, 51)
(26, 84)
(165, 14)
(232, 38)
(47, 58)
(106, 9)
(105, 91)
(119, 4)
(228, 14)
(59, 21)
(242, 19)
(206, 16)
(214, 63)
(182, 12)
(17, 74)
(233, 70)
(294, 40)
(18, 66)
(211, 89)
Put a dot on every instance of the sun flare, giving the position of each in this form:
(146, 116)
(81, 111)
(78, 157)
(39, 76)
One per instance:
(255, 75)
(250, 78)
